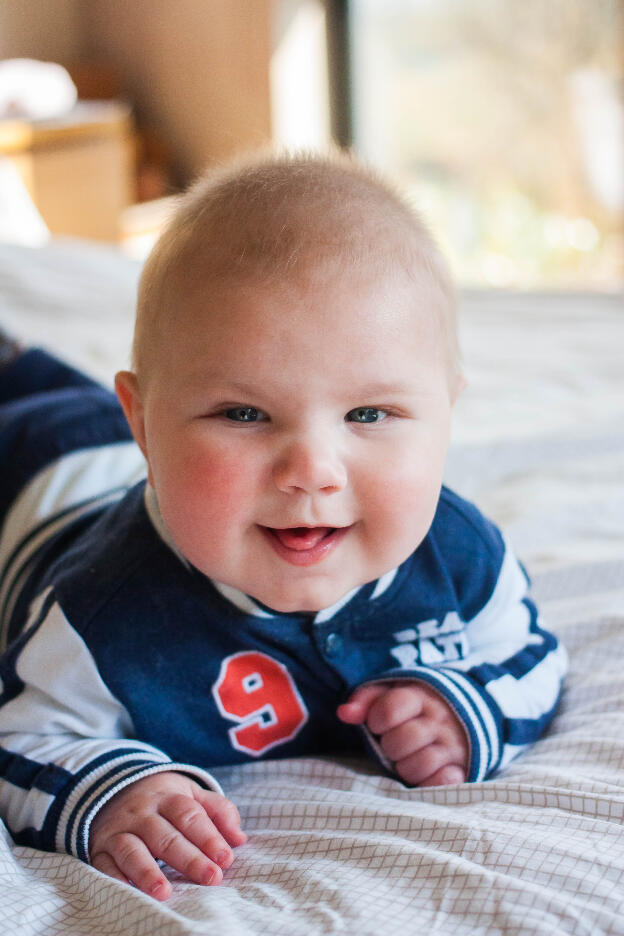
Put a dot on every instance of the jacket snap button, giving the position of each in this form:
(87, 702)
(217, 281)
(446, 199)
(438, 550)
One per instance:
(333, 644)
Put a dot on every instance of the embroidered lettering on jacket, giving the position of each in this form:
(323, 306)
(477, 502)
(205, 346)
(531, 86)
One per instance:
(259, 694)
(431, 642)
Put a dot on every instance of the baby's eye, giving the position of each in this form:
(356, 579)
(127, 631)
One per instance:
(366, 414)
(245, 414)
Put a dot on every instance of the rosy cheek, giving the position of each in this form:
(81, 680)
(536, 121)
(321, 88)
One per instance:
(404, 499)
(207, 483)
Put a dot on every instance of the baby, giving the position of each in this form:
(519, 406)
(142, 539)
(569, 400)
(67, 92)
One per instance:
(292, 578)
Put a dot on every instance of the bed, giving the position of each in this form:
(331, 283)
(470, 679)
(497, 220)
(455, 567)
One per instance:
(334, 847)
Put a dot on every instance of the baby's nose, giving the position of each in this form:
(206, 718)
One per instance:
(309, 464)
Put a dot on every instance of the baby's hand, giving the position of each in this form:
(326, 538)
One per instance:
(168, 816)
(417, 729)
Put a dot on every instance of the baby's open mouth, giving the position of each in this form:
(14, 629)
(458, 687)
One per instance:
(304, 546)
(302, 537)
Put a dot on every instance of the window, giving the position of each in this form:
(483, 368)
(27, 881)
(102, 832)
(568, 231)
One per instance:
(503, 120)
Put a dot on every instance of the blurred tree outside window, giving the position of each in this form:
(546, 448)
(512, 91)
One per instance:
(504, 122)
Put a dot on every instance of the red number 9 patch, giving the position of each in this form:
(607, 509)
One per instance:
(260, 694)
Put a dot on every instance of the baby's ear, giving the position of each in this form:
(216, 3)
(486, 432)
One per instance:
(127, 388)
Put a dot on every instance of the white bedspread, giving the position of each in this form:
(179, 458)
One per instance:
(334, 848)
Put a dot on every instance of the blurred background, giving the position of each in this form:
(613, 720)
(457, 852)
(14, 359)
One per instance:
(503, 120)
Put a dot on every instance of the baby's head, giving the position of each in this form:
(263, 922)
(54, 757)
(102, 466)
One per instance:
(296, 363)
(272, 220)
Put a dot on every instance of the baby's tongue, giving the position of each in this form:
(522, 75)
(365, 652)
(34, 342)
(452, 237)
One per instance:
(302, 537)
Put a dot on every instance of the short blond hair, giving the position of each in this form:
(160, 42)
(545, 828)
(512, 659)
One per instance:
(267, 217)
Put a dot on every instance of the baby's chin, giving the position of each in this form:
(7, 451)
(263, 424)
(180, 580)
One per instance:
(294, 606)
(301, 601)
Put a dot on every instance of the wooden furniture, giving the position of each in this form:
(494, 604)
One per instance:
(78, 168)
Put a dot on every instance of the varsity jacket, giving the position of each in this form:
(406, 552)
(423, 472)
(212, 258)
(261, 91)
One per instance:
(123, 660)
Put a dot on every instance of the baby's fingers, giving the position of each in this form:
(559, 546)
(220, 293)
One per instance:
(129, 860)
(355, 710)
(449, 774)
(107, 865)
(183, 837)
(433, 765)
(224, 815)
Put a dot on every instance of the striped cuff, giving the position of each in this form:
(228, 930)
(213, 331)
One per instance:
(99, 781)
(478, 713)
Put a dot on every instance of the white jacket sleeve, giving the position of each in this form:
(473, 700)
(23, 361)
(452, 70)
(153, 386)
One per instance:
(66, 743)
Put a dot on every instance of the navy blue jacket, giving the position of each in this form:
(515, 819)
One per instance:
(122, 659)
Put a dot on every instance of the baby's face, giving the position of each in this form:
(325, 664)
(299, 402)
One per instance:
(296, 437)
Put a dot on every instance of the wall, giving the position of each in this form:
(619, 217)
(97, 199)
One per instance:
(197, 70)
(50, 30)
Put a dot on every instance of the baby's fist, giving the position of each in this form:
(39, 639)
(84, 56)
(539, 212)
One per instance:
(417, 730)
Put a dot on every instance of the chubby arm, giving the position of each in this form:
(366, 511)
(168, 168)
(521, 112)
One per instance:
(66, 746)
(500, 694)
